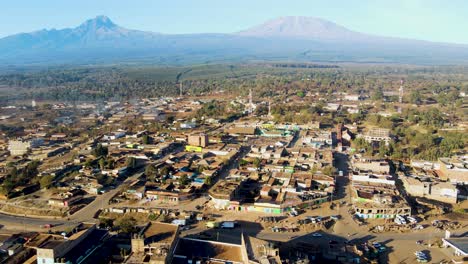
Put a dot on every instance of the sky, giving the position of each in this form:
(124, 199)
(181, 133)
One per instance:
(434, 20)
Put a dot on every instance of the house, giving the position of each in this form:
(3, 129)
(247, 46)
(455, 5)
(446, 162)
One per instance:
(458, 244)
(154, 244)
(18, 147)
(238, 130)
(67, 248)
(377, 135)
(439, 191)
(190, 250)
(199, 140)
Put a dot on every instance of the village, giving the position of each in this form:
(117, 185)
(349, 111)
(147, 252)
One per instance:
(154, 181)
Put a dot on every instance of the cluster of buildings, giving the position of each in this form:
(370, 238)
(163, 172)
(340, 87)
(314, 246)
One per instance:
(374, 192)
(275, 175)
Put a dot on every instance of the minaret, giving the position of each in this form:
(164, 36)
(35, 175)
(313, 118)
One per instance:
(250, 102)
(400, 96)
(180, 88)
(269, 109)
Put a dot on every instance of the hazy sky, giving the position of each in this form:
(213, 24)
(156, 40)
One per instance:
(435, 20)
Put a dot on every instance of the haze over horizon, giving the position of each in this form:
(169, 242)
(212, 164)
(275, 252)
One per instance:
(431, 20)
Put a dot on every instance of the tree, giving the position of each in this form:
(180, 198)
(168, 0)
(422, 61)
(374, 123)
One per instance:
(150, 172)
(100, 151)
(382, 149)
(131, 162)
(184, 180)
(102, 163)
(145, 139)
(125, 224)
(208, 181)
(46, 181)
(104, 179)
(415, 97)
(257, 162)
(329, 170)
(378, 94)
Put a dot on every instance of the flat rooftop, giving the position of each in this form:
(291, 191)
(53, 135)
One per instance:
(461, 243)
(194, 248)
(160, 232)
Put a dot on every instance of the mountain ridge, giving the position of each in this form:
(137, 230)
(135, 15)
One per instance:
(298, 38)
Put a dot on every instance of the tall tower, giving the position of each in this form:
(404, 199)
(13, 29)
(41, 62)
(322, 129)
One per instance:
(180, 89)
(33, 103)
(250, 102)
(400, 95)
(269, 109)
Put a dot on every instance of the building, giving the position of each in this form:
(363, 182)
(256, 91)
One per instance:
(353, 97)
(374, 165)
(154, 243)
(458, 244)
(439, 191)
(69, 248)
(240, 130)
(200, 140)
(18, 147)
(378, 135)
(191, 250)
(454, 169)
(375, 196)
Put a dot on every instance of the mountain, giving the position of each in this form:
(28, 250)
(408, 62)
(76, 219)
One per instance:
(302, 28)
(100, 40)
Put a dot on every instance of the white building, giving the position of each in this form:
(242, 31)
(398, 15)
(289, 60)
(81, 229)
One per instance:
(18, 147)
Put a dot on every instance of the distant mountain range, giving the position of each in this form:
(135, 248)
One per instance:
(307, 39)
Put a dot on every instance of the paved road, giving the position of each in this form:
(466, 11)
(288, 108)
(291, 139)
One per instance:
(86, 214)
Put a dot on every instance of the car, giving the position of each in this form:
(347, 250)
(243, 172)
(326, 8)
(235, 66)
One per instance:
(335, 217)
(419, 242)
(316, 235)
(376, 245)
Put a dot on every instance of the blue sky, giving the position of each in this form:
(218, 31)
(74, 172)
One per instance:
(434, 20)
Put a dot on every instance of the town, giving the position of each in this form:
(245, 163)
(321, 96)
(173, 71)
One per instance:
(234, 178)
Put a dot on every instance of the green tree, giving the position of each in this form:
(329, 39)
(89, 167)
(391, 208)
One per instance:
(378, 94)
(46, 181)
(102, 163)
(131, 162)
(150, 172)
(329, 170)
(208, 181)
(184, 180)
(126, 224)
(415, 97)
(257, 162)
(145, 139)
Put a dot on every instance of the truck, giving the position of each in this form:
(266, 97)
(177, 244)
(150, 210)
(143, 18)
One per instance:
(212, 224)
(179, 222)
(228, 224)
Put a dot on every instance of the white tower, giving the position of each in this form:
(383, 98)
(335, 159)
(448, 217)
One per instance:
(33, 103)
(250, 102)
(269, 109)
(180, 89)
(400, 95)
